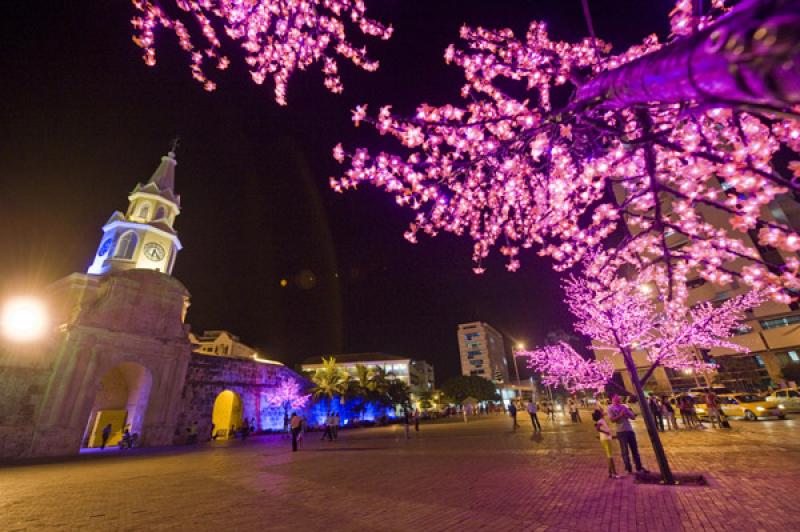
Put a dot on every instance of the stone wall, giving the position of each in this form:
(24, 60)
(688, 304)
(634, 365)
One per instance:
(209, 375)
(131, 320)
(23, 380)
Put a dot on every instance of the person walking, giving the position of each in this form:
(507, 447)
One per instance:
(550, 412)
(105, 436)
(335, 426)
(416, 420)
(668, 411)
(621, 415)
(512, 411)
(328, 433)
(604, 431)
(655, 409)
(573, 410)
(533, 410)
(712, 407)
(295, 425)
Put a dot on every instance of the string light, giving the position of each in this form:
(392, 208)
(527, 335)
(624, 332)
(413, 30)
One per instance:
(279, 37)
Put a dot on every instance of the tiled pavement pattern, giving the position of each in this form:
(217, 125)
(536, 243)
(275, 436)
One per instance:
(451, 476)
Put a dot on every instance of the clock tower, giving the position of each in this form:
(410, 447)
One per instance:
(143, 237)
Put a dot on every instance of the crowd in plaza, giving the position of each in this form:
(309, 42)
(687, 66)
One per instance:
(612, 419)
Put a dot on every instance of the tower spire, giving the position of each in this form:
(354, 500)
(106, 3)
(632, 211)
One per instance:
(164, 176)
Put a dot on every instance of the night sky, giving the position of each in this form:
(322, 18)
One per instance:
(82, 120)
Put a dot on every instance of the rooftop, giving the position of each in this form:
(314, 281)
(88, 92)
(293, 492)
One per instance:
(350, 358)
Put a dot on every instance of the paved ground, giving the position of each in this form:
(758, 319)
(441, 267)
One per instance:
(448, 477)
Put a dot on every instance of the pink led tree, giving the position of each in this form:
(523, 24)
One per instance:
(278, 36)
(624, 317)
(287, 395)
(670, 148)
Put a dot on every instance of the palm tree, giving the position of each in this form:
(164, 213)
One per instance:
(362, 387)
(329, 381)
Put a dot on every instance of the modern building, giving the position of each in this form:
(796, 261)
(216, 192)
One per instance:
(483, 352)
(417, 374)
(226, 344)
(771, 332)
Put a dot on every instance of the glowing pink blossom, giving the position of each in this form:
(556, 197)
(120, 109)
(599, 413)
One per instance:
(287, 395)
(279, 37)
(688, 182)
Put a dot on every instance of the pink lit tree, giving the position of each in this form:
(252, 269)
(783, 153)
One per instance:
(670, 147)
(623, 317)
(277, 36)
(288, 395)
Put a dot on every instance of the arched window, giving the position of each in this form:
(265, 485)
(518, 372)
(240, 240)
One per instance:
(160, 213)
(144, 210)
(126, 246)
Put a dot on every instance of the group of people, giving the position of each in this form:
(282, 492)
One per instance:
(664, 411)
(127, 441)
(533, 408)
(331, 426)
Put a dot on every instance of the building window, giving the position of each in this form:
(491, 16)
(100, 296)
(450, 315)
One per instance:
(793, 355)
(160, 213)
(759, 360)
(144, 211)
(780, 322)
(126, 246)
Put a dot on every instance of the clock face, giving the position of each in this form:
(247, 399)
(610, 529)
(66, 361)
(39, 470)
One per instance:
(154, 251)
(105, 246)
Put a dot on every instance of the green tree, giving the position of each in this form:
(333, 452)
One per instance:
(398, 393)
(329, 381)
(459, 388)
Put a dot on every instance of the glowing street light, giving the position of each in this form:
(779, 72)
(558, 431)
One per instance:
(24, 319)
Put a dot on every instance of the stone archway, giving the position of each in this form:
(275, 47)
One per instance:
(121, 400)
(227, 415)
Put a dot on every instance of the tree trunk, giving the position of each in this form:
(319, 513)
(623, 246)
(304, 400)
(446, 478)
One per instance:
(649, 420)
(749, 56)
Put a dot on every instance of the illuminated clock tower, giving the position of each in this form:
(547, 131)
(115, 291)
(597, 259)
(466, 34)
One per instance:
(143, 237)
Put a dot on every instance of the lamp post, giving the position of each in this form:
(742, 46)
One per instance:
(519, 347)
(24, 319)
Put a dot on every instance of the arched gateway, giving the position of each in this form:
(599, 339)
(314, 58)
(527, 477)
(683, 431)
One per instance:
(121, 401)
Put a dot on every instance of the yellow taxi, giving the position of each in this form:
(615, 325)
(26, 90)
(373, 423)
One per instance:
(788, 398)
(746, 405)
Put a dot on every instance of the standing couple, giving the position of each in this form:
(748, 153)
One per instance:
(621, 415)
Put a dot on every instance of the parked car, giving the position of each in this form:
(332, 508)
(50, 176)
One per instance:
(745, 405)
(788, 398)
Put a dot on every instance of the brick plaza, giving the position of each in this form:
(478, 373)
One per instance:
(449, 476)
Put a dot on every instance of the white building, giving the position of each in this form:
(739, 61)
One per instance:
(417, 374)
(224, 344)
(483, 351)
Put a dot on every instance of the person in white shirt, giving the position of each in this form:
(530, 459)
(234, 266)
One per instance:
(604, 431)
(533, 410)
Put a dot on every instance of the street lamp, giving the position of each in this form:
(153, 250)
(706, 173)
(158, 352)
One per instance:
(24, 319)
(520, 347)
